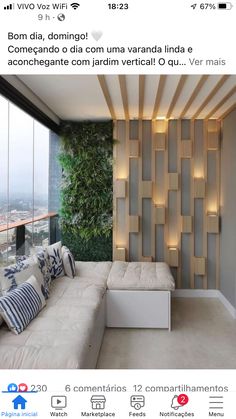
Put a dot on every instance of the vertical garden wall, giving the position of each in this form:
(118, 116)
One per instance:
(86, 159)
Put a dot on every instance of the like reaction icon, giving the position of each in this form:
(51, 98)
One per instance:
(14, 388)
(179, 401)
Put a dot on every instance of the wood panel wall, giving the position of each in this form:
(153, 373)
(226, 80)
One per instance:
(166, 197)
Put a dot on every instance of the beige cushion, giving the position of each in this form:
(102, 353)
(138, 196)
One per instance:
(140, 276)
(60, 335)
(93, 270)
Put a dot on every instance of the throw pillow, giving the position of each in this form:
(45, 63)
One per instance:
(1, 319)
(43, 263)
(20, 306)
(55, 260)
(68, 262)
(14, 275)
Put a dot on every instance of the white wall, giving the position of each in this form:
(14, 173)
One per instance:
(228, 209)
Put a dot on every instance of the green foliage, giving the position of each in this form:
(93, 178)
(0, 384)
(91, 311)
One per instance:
(95, 249)
(86, 191)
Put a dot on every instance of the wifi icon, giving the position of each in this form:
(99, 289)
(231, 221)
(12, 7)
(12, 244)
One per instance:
(75, 5)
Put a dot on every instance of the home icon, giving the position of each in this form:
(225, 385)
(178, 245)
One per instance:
(98, 402)
(19, 402)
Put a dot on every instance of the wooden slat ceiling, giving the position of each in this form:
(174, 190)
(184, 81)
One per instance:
(135, 97)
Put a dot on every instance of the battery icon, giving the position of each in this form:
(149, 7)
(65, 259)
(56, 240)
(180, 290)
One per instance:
(225, 6)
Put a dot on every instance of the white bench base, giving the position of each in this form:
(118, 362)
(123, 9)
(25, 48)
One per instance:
(138, 309)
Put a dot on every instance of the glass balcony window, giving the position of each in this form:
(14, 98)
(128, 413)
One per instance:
(28, 199)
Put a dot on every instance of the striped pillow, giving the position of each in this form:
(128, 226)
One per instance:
(68, 262)
(22, 305)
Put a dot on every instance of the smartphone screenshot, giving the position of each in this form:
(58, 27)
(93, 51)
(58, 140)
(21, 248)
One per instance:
(117, 209)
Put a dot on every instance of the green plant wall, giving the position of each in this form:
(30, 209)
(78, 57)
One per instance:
(86, 159)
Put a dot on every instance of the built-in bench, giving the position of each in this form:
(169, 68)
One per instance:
(112, 294)
(139, 295)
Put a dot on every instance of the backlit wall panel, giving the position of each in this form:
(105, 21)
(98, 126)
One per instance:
(166, 197)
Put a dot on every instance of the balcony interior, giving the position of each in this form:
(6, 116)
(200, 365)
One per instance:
(173, 196)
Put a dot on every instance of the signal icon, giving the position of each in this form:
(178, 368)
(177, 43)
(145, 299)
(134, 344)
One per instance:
(9, 7)
(75, 5)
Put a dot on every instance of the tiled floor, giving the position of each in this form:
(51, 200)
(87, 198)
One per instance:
(203, 336)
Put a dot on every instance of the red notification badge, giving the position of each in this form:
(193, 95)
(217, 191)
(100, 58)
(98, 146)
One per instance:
(182, 399)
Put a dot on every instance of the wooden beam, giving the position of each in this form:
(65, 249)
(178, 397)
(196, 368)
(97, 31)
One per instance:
(205, 203)
(192, 207)
(193, 96)
(211, 95)
(115, 209)
(124, 95)
(227, 112)
(159, 94)
(179, 203)
(166, 196)
(107, 96)
(140, 198)
(141, 96)
(127, 131)
(225, 98)
(218, 188)
(178, 91)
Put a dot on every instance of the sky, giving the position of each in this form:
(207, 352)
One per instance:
(28, 150)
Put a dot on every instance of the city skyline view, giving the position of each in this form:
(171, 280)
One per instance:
(24, 180)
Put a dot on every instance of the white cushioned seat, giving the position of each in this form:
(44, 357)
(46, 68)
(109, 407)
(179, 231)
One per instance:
(94, 270)
(79, 291)
(60, 335)
(70, 353)
(140, 276)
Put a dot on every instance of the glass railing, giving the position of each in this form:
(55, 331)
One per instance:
(26, 237)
